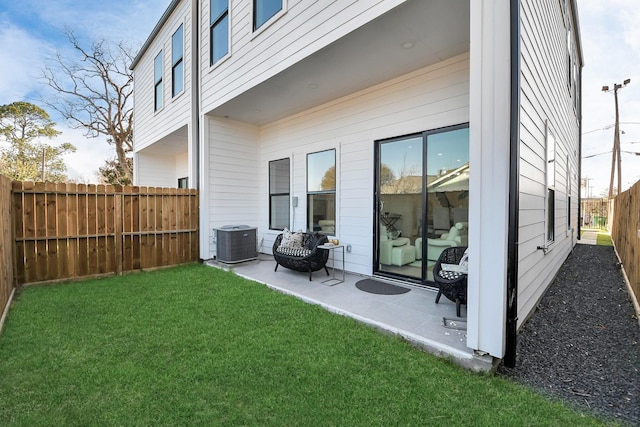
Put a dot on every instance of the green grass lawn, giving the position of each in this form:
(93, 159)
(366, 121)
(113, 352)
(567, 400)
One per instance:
(194, 345)
(604, 239)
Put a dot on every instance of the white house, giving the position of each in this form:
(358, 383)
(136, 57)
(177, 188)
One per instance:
(387, 123)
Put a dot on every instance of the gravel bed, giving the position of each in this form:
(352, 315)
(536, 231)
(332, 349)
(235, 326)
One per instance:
(582, 345)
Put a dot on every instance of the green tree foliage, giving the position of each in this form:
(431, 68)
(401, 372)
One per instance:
(329, 179)
(113, 173)
(23, 157)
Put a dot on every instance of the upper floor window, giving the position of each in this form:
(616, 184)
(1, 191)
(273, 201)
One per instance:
(157, 82)
(321, 191)
(263, 10)
(177, 63)
(219, 29)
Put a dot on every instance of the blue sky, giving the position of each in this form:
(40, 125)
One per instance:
(32, 31)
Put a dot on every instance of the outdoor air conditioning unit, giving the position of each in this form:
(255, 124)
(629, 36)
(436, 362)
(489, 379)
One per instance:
(236, 243)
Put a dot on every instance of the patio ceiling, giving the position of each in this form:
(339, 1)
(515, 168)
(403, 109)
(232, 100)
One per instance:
(174, 144)
(414, 35)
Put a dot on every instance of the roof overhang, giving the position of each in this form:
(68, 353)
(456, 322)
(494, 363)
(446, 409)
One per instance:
(416, 34)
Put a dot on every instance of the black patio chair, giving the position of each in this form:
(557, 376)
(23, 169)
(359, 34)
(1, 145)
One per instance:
(452, 285)
(308, 258)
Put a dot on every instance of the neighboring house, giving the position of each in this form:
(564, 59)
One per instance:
(377, 120)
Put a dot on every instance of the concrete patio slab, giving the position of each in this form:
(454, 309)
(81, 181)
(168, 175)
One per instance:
(414, 315)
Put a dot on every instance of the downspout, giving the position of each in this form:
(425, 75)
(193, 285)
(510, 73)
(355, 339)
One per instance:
(514, 192)
(580, 157)
(195, 84)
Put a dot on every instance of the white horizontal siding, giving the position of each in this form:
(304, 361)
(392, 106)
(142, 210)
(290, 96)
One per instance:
(158, 171)
(426, 99)
(544, 99)
(303, 29)
(233, 181)
(149, 125)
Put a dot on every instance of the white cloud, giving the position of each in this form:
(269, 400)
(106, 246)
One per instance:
(90, 155)
(611, 47)
(21, 58)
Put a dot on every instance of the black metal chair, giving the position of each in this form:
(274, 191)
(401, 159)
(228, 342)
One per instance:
(452, 285)
(309, 258)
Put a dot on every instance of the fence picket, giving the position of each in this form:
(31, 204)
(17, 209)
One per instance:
(62, 231)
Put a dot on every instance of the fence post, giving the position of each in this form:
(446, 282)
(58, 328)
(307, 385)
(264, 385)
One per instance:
(119, 218)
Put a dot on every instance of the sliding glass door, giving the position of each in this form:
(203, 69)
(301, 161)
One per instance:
(421, 199)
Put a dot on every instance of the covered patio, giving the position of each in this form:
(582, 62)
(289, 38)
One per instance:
(413, 315)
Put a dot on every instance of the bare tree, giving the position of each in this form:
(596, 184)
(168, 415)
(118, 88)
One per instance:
(94, 92)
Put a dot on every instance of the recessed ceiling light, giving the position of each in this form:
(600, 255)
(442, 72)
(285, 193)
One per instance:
(313, 86)
(407, 45)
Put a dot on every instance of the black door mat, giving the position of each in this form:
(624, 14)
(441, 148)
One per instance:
(380, 288)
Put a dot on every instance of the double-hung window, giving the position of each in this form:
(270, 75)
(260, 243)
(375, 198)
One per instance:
(550, 142)
(177, 63)
(157, 82)
(263, 10)
(279, 194)
(321, 190)
(218, 29)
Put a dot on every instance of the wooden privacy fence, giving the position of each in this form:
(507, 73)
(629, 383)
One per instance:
(6, 244)
(63, 231)
(625, 233)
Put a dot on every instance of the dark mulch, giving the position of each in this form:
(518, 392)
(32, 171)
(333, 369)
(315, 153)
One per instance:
(582, 344)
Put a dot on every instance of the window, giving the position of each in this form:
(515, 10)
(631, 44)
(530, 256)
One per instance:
(177, 64)
(551, 182)
(279, 194)
(157, 82)
(569, 177)
(183, 182)
(321, 191)
(263, 10)
(219, 29)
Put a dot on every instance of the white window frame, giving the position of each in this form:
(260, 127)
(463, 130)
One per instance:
(158, 102)
(226, 14)
(550, 185)
(274, 18)
(176, 62)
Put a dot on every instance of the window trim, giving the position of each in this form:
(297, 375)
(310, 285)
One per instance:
(270, 21)
(212, 25)
(183, 180)
(334, 192)
(550, 185)
(158, 82)
(177, 62)
(272, 194)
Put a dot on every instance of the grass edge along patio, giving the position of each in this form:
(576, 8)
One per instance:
(193, 344)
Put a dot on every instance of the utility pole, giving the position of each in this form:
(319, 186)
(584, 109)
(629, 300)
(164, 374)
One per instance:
(615, 158)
